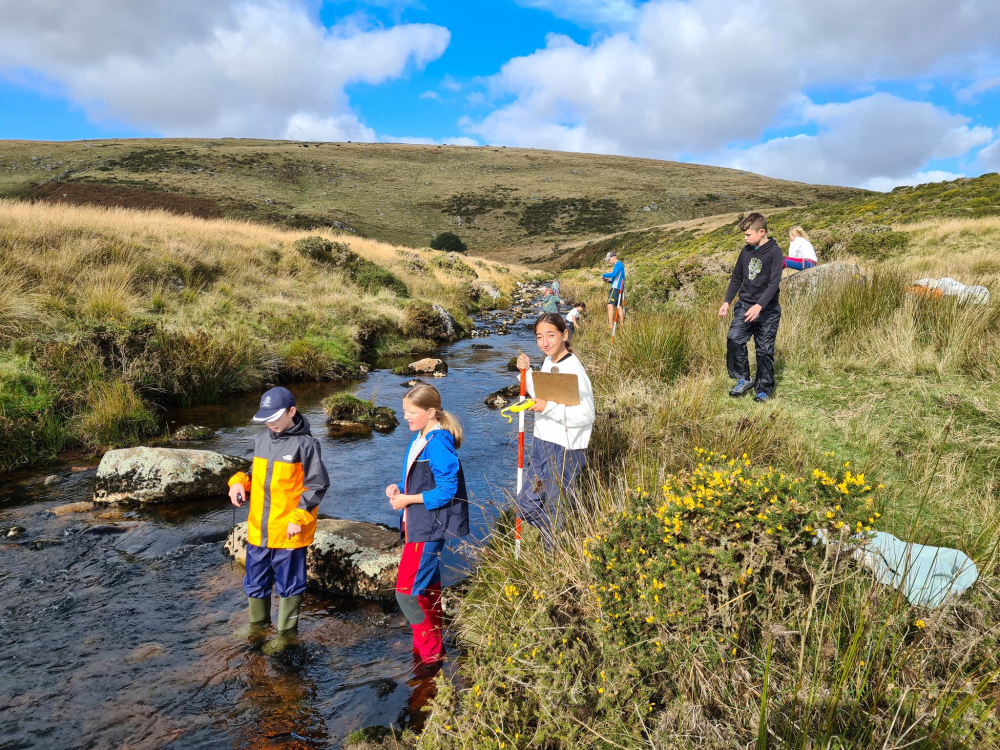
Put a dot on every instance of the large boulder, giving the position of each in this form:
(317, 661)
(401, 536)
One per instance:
(351, 558)
(163, 475)
(432, 322)
(813, 278)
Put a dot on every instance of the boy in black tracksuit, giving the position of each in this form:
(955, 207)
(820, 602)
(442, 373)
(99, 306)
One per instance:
(755, 278)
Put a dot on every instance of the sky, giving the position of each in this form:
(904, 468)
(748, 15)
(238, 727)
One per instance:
(846, 92)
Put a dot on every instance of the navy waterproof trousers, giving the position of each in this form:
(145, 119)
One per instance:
(284, 570)
(763, 331)
(549, 485)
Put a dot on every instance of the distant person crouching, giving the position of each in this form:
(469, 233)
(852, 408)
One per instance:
(573, 317)
(801, 253)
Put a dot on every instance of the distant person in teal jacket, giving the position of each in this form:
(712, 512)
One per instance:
(616, 276)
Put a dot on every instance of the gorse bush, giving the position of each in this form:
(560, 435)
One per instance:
(720, 533)
(877, 242)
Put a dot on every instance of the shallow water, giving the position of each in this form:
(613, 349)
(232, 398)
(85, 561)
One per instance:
(116, 626)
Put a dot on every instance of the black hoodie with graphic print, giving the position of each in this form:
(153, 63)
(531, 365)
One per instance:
(757, 274)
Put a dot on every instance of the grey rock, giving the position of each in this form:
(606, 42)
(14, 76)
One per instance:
(163, 475)
(425, 366)
(351, 558)
(813, 278)
(15, 532)
(53, 479)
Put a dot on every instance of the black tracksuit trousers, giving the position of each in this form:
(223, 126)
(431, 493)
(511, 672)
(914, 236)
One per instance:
(764, 331)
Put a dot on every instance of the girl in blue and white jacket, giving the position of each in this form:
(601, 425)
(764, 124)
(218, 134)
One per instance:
(433, 507)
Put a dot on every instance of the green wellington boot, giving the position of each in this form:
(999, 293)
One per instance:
(288, 625)
(259, 617)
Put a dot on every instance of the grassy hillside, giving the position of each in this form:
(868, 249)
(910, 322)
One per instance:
(500, 200)
(928, 230)
(687, 605)
(105, 312)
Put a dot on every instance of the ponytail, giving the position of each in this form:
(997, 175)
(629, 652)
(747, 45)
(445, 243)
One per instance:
(449, 422)
(426, 396)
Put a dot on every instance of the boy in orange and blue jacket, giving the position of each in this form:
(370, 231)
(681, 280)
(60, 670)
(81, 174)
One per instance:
(288, 482)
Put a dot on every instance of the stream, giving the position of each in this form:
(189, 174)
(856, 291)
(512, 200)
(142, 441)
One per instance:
(116, 625)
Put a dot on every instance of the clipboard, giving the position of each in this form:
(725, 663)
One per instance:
(554, 386)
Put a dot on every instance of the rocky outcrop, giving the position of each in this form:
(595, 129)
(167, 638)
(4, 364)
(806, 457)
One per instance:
(347, 411)
(163, 475)
(426, 366)
(350, 558)
(948, 287)
(813, 278)
(432, 322)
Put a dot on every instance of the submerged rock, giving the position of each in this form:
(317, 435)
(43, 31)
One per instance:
(15, 532)
(52, 480)
(411, 383)
(351, 558)
(193, 432)
(163, 475)
(62, 510)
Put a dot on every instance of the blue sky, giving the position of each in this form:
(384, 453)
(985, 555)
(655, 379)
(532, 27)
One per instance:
(846, 92)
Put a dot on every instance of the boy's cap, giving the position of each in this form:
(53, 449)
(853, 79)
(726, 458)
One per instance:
(611, 255)
(273, 404)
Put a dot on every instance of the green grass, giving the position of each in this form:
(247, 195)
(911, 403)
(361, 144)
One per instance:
(494, 199)
(654, 621)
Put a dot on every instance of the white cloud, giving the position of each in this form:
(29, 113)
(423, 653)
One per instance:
(429, 95)
(879, 137)
(458, 140)
(263, 68)
(696, 77)
(988, 158)
(885, 184)
(602, 12)
(970, 93)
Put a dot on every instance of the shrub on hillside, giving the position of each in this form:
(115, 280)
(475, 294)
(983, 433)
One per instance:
(877, 241)
(449, 242)
(369, 276)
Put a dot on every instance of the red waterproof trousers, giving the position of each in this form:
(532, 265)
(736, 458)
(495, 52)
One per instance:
(418, 591)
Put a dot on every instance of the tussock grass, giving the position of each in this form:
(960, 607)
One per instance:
(113, 305)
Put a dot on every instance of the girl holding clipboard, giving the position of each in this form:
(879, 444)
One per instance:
(561, 433)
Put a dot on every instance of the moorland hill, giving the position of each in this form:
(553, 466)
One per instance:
(505, 202)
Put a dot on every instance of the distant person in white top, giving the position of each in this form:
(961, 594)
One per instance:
(573, 317)
(801, 254)
(561, 435)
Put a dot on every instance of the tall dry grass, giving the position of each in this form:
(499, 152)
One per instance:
(186, 310)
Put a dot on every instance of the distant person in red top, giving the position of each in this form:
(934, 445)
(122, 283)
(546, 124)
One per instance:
(801, 253)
